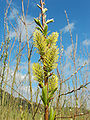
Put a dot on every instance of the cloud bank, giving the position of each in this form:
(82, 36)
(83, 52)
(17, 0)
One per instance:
(20, 26)
(67, 27)
(86, 42)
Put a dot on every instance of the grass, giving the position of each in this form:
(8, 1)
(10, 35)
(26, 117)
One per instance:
(18, 110)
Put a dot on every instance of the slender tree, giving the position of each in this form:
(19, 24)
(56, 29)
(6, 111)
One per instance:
(43, 70)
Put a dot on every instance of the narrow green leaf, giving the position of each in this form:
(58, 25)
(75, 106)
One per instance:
(39, 6)
(38, 28)
(44, 95)
(41, 84)
(45, 10)
(49, 21)
(52, 114)
(53, 91)
(51, 94)
(45, 29)
(38, 22)
(42, 100)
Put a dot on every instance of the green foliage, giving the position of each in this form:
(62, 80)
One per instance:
(39, 42)
(45, 30)
(44, 95)
(51, 58)
(38, 72)
(38, 22)
(45, 10)
(52, 114)
(51, 93)
(49, 21)
(38, 28)
(52, 39)
(53, 82)
(47, 48)
(38, 5)
(48, 51)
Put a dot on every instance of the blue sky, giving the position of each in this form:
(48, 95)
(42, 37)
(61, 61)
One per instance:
(78, 12)
(79, 17)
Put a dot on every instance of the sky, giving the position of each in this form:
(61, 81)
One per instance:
(78, 12)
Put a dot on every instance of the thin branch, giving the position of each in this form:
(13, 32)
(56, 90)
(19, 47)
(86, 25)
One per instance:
(73, 73)
(36, 109)
(82, 86)
(27, 7)
(74, 115)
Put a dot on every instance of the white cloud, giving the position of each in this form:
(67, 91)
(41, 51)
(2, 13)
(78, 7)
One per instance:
(86, 42)
(68, 67)
(81, 61)
(21, 84)
(20, 27)
(12, 34)
(68, 51)
(13, 14)
(66, 28)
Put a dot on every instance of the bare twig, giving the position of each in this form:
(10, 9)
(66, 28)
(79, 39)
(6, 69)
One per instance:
(76, 115)
(36, 109)
(73, 73)
(82, 86)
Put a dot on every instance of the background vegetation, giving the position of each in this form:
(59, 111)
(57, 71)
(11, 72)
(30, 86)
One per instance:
(20, 93)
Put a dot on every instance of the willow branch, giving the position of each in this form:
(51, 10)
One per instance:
(82, 86)
(73, 73)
